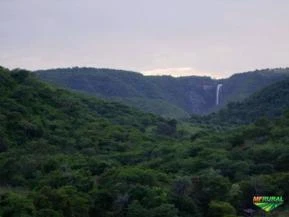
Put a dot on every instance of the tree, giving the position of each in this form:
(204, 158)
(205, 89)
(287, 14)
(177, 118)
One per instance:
(136, 209)
(167, 128)
(3, 145)
(220, 209)
(16, 205)
(165, 210)
(47, 213)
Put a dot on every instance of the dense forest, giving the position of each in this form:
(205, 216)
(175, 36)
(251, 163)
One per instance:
(163, 95)
(66, 154)
(270, 102)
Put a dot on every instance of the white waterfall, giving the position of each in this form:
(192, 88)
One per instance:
(218, 94)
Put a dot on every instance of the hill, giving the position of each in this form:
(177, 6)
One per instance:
(65, 154)
(270, 102)
(163, 95)
(54, 145)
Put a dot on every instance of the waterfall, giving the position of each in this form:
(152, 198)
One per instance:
(218, 94)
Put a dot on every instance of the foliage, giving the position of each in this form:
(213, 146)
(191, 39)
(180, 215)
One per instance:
(163, 95)
(269, 103)
(65, 154)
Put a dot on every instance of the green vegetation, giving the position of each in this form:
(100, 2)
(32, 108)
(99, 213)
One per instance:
(163, 95)
(155, 106)
(64, 154)
(271, 102)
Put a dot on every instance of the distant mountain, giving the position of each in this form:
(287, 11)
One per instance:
(270, 102)
(163, 95)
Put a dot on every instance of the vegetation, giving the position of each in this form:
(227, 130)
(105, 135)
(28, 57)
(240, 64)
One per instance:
(270, 102)
(163, 95)
(64, 154)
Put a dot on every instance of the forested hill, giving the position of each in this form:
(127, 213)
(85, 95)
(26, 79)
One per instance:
(64, 154)
(55, 145)
(163, 95)
(31, 109)
(270, 102)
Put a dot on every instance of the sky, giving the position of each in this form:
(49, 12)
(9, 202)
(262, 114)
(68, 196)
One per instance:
(177, 37)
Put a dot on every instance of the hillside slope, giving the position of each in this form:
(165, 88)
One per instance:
(270, 102)
(163, 95)
(37, 110)
(54, 144)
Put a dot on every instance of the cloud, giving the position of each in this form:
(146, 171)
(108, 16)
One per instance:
(179, 72)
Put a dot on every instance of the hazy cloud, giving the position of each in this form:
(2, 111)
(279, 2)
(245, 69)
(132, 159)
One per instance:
(214, 37)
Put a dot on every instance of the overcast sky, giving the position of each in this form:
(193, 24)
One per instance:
(177, 37)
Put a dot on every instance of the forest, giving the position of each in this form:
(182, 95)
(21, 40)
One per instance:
(69, 154)
(167, 96)
(271, 102)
